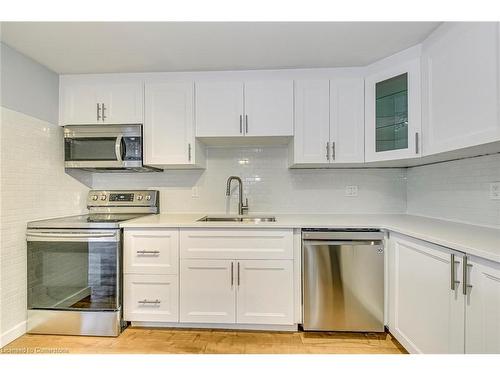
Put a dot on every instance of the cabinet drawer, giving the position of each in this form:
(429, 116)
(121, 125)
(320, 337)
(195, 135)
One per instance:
(150, 251)
(151, 298)
(236, 244)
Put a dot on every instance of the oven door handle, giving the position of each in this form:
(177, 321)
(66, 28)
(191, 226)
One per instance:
(111, 236)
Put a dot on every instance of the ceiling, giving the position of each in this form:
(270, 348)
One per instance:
(107, 47)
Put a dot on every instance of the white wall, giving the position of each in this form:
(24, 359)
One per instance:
(269, 185)
(27, 86)
(456, 190)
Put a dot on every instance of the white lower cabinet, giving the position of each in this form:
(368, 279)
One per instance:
(264, 291)
(482, 328)
(151, 298)
(236, 291)
(207, 291)
(441, 300)
(426, 315)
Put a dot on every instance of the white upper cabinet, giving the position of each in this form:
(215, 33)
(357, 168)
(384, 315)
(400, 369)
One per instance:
(482, 329)
(269, 108)
(460, 81)
(393, 110)
(230, 109)
(312, 122)
(169, 138)
(101, 101)
(219, 109)
(347, 120)
(329, 122)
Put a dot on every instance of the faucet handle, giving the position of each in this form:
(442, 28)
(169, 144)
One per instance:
(245, 206)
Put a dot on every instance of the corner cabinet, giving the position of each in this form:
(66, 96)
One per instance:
(100, 100)
(393, 111)
(329, 127)
(169, 128)
(460, 79)
(442, 301)
(234, 109)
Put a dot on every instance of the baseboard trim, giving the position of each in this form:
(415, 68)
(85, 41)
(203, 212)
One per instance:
(249, 327)
(17, 331)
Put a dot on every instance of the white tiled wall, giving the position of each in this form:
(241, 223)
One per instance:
(34, 186)
(269, 185)
(456, 190)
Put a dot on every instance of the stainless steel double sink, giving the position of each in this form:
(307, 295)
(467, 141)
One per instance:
(239, 219)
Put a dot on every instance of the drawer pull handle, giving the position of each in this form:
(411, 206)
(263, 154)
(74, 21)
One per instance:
(148, 252)
(146, 302)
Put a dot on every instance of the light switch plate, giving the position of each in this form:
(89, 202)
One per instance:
(194, 192)
(495, 190)
(351, 191)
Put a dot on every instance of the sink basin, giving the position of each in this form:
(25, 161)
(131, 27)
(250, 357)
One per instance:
(239, 219)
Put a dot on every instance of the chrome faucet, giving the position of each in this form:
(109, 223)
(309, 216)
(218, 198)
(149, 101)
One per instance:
(242, 208)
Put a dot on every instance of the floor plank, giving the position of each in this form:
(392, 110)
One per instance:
(210, 341)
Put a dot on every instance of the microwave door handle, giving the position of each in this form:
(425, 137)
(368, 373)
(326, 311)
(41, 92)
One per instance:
(118, 148)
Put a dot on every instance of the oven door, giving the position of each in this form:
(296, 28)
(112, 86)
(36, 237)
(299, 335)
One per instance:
(74, 270)
(110, 146)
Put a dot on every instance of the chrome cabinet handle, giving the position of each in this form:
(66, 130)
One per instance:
(453, 263)
(232, 274)
(246, 124)
(333, 150)
(241, 124)
(465, 266)
(147, 302)
(103, 109)
(417, 146)
(98, 111)
(148, 252)
(328, 151)
(189, 151)
(238, 273)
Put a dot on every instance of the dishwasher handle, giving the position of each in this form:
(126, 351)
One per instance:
(347, 242)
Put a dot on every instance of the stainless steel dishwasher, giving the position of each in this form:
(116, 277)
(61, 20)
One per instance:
(343, 280)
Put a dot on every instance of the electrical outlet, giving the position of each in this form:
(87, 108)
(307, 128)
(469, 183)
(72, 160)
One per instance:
(495, 190)
(194, 192)
(351, 191)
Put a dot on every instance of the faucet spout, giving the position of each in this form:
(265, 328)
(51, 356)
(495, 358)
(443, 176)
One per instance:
(241, 207)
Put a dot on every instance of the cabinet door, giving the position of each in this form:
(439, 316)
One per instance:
(392, 112)
(427, 316)
(219, 109)
(79, 104)
(346, 120)
(265, 291)
(123, 102)
(169, 123)
(460, 86)
(482, 330)
(312, 121)
(151, 251)
(207, 291)
(269, 108)
(151, 298)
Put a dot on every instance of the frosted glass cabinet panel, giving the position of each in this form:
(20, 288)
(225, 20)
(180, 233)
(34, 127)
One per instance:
(393, 112)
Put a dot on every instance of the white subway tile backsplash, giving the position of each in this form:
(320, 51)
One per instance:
(34, 186)
(269, 185)
(456, 190)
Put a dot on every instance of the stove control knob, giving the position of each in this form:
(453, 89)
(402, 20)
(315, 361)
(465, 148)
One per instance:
(94, 197)
(148, 197)
(103, 197)
(139, 197)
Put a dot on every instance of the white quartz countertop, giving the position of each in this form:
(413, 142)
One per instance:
(475, 240)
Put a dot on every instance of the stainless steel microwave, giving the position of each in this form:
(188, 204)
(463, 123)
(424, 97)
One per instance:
(105, 148)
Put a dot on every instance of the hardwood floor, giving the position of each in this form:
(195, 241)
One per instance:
(198, 341)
